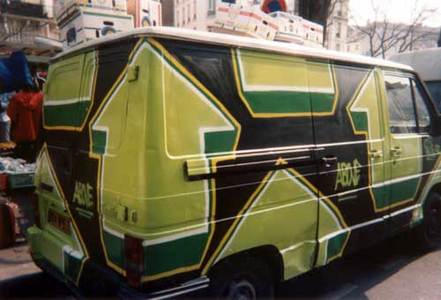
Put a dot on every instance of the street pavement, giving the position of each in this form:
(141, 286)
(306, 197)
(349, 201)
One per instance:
(390, 270)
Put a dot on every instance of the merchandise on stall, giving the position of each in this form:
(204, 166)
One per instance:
(5, 121)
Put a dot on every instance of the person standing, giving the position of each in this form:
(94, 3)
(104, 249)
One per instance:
(25, 112)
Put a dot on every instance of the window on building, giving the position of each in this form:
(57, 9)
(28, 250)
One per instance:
(211, 7)
(184, 15)
(189, 13)
(338, 33)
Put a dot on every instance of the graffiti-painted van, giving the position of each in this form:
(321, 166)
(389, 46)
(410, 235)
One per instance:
(179, 160)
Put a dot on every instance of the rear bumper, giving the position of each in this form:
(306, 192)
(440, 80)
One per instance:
(44, 259)
(124, 291)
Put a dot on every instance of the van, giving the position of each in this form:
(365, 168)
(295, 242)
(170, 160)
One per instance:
(176, 161)
(427, 63)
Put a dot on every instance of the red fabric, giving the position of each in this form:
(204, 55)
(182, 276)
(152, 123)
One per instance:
(25, 111)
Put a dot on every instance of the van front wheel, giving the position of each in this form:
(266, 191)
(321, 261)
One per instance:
(429, 233)
(246, 279)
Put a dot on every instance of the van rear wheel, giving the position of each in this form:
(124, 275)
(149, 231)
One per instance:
(429, 232)
(242, 280)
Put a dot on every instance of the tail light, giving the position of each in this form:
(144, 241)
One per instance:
(134, 254)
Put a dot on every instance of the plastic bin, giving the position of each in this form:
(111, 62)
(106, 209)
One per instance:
(20, 180)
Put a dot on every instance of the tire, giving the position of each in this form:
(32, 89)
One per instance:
(428, 234)
(249, 278)
(6, 227)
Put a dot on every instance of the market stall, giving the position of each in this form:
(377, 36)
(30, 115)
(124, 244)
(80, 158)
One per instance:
(20, 122)
(17, 208)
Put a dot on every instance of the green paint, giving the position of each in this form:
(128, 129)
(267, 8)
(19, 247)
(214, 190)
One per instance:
(322, 103)
(395, 193)
(381, 196)
(218, 142)
(115, 248)
(71, 115)
(278, 102)
(175, 254)
(99, 140)
(283, 102)
(404, 190)
(360, 120)
(335, 245)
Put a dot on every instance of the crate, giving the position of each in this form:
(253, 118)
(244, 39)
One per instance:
(20, 180)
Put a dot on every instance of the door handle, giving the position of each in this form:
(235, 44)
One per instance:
(396, 151)
(374, 154)
(329, 161)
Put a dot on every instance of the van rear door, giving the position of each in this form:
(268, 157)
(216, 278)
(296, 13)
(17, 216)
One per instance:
(60, 121)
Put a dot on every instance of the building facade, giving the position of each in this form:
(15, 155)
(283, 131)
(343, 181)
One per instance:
(192, 14)
(337, 29)
(198, 14)
(21, 22)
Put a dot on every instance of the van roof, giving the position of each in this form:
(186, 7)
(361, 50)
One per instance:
(426, 62)
(237, 41)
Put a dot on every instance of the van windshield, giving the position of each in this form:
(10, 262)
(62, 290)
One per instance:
(435, 90)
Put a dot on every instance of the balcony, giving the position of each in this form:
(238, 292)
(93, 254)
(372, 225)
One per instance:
(21, 8)
(21, 23)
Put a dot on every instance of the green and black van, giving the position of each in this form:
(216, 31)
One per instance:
(178, 160)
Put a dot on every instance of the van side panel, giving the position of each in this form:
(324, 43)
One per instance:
(243, 210)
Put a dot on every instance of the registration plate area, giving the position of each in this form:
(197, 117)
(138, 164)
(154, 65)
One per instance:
(59, 221)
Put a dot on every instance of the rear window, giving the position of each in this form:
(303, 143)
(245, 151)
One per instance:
(435, 90)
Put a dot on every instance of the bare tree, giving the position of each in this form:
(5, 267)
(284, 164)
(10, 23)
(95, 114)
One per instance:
(383, 35)
(329, 21)
(321, 12)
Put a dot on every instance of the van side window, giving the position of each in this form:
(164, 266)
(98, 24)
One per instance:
(423, 113)
(435, 90)
(401, 108)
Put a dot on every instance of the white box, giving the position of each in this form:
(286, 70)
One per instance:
(89, 25)
(65, 8)
(245, 20)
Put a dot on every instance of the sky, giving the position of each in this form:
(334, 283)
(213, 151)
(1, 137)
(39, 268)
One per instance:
(397, 10)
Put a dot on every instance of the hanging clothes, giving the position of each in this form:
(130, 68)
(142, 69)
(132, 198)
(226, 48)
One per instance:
(25, 110)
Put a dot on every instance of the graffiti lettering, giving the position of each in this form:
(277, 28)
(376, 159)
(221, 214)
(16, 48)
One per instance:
(83, 194)
(348, 174)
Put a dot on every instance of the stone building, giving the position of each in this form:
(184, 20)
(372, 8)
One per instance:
(21, 22)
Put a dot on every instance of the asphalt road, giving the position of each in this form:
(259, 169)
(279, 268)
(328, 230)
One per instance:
(391, 270)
